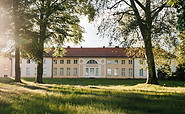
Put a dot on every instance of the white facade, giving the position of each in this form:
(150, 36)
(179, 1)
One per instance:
(85, 69)
(5, 67)
(140, 70)
(29, 67)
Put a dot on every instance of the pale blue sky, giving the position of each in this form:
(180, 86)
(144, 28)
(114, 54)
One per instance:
(91, 38)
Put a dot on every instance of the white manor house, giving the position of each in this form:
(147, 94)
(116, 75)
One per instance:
(88, 63)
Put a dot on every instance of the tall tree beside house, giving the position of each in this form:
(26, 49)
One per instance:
(17, 40)
(18, 24)
(12, 7)
(138, 21)
(56, 22)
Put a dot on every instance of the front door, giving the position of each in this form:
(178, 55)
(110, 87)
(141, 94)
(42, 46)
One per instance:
(92, 71)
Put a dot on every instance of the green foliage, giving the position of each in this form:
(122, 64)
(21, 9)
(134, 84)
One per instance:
(119, 22)
(180, 6)
(59, 22)
(130, 97)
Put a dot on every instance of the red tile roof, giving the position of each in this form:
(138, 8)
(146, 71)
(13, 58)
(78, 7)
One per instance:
(101, 52)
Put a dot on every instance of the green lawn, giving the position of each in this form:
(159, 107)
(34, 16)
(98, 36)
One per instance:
(91, 96)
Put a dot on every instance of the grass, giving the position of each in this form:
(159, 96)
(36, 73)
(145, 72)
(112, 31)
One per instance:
(91, 96)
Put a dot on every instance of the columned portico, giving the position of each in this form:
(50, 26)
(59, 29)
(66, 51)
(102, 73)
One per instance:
(92, 67)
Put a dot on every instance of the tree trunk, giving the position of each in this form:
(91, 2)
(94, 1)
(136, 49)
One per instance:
(151, 79)
(146, 27)
(42, 37)
(17, 65)
(16, 33)
(39, 71)
(40, 62)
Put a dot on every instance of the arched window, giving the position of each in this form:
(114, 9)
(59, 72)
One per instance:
(92, 62)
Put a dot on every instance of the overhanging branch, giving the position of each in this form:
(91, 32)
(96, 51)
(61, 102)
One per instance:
(115, 5)
(157, 10)
(124, 12)
(139, 3)
(133, 6)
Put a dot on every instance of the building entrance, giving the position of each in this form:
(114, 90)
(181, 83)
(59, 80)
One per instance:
(91, 71)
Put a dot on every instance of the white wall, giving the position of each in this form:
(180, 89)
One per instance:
(48, 66)
(138, 66)
(5, 67)
(32, 68)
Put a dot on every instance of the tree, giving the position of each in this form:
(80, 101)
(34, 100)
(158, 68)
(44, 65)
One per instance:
(13, 8)
(130, 21)
(17, 39)
(55, 21)
(180, 49)
(19, 26)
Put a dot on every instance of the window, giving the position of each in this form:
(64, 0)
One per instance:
(44, 61)
(109, 72)
(97, 72)
(122, 61)
(44, 71)
(109, 62)
(35, 71)
(61, 71)
(27, 71)
(91, 73)
(92, 62)
(87, 71)
(129, 61)
(115, 61)
(68, 72)
(68, 61)
(123, 72)
(75, 61)
(141, 72)
(54, 61)
(28, 61)
(74, 71)
(116, 72)
(61, 61)
(130, 71)
(54, 71)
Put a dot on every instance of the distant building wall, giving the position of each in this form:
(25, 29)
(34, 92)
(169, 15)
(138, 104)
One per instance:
(140, 68)
(5, 67)
(29, 67)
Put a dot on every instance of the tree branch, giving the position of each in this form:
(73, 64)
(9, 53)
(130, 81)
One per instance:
(117, 3)
(157, 10)
(133, 6)
(126, 3)
(139, 3)
(124, 12)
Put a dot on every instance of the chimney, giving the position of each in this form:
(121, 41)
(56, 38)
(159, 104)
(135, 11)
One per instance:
(68, 46)
(81, 46)
(103, 46)
(116, 46)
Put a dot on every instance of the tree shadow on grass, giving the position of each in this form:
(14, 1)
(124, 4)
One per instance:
(106, 82)
(172, 83)
(6, 80)
(59, 99)
(90, 81)
(115, 103)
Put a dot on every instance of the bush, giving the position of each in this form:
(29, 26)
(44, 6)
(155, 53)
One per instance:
(180, 72)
